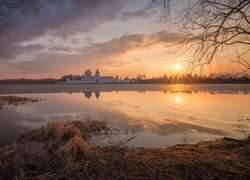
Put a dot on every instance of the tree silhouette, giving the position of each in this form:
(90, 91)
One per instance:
(212, 26)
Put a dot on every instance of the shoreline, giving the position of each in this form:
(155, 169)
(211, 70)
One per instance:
(76, 88)
(61, 149)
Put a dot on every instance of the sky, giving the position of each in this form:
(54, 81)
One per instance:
(119, 37)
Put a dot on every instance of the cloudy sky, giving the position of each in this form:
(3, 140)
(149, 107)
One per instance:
(120, 37)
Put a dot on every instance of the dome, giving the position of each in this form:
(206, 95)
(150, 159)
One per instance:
(88, 73)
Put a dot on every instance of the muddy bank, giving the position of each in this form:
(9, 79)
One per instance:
(15, 100)
(61, 150)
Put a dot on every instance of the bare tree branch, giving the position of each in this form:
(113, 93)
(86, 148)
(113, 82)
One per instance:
(213, 26)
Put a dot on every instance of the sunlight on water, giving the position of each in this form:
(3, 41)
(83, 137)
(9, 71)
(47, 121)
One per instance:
(177, 99)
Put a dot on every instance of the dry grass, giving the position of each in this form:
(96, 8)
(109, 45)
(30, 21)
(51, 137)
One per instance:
(15, 100)
(60, 150)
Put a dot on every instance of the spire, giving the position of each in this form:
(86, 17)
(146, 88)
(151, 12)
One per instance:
(97, 94)
(97, 73)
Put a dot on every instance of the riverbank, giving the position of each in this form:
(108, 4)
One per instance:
(61, 149)
(76, 88)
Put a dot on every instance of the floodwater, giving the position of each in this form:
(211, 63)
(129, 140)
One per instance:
(155, 117)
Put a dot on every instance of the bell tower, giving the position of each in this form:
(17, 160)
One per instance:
(97, 73)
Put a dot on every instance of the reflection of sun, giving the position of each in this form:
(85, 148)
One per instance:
(177, 67)
(177, 99)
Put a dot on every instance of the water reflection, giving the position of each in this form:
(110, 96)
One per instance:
(159, 118)
(89, 94)
(210, 92)
(177, 99)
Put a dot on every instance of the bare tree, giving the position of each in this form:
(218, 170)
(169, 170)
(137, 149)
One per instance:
(11, 9)
(164, 7)
(212, 26)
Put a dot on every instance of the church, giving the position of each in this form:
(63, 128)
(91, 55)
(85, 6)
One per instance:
(89, 78)
(97, 78)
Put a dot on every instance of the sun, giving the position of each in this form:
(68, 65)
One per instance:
(177, 67)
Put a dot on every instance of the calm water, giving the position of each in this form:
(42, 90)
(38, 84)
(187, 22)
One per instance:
(156, 118)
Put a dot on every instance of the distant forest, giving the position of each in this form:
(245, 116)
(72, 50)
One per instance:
(172, 79)
(196, 79)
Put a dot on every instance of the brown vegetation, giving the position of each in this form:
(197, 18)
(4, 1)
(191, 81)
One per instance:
(61, 150)
(15, 100)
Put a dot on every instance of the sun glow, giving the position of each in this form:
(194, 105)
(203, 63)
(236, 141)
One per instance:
(177, 67)
(177, 99)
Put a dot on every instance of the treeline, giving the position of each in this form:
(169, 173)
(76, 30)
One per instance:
(195, 79)
(29, 81)
(172, 79)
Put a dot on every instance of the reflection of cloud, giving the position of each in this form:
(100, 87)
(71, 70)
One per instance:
(141, 123)
(120, 103)
(13, 124)
(114, 111)
(66, 116)
(179, 127)
(32, 124)
(26, 109)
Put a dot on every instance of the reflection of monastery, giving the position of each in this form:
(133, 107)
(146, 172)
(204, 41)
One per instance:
(88, 78)
(88, 95)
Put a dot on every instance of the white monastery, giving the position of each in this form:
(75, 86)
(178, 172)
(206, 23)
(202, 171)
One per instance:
(88, 78)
